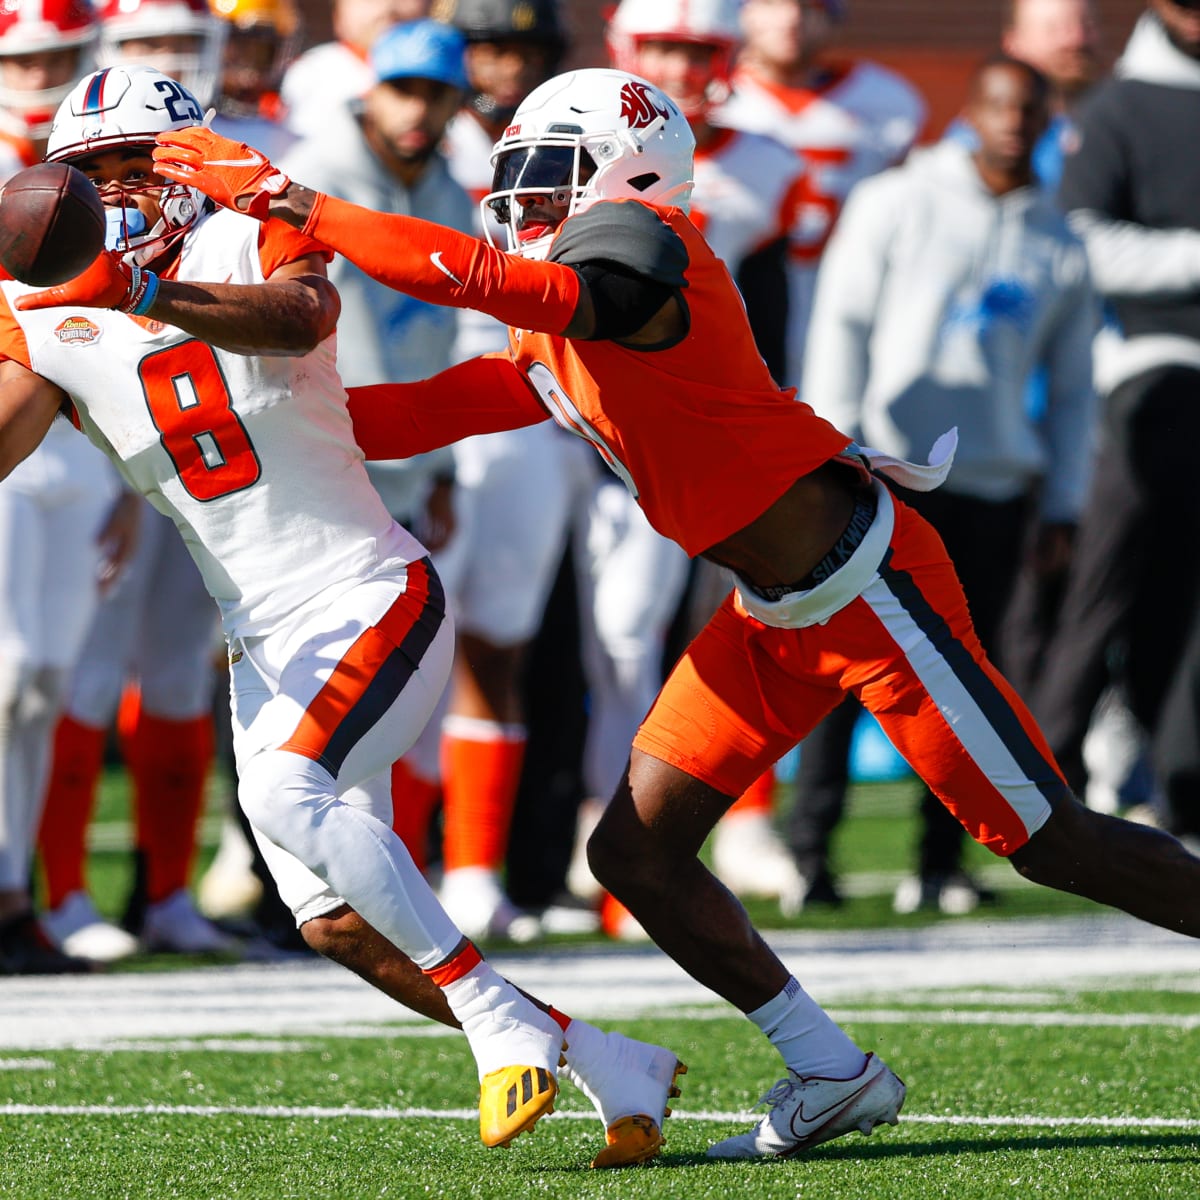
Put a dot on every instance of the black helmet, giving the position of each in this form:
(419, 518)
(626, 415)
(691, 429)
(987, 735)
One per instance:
(496, 20)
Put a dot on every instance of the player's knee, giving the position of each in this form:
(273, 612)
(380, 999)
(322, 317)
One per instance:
(282, 793)
(1067, 840)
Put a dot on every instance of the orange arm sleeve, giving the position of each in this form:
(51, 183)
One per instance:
(442, 266)
(481, 395)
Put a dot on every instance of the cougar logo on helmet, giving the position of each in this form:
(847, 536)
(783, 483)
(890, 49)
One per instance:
(638, 106)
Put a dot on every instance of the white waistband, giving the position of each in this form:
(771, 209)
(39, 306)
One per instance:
(798, 610)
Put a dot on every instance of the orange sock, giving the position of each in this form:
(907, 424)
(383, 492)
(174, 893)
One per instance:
(759, 797)
(169, 763)
(70, 798)
(479, 784)
(413, 800)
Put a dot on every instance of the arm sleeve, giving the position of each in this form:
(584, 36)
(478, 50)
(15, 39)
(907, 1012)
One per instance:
(481, 395)
(1069, 424)
(442, 266)
(849, 285)
(1128, 259)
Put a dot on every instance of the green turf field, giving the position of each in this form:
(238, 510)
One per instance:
(1041, 1082)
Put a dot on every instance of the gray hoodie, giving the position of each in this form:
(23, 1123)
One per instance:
(935, 303)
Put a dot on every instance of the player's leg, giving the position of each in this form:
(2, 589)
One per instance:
(515, 486)
(168, 742)
(361, 900)
(960, 724)
(707, 737)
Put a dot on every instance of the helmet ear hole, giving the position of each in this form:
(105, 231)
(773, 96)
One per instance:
(644, 182)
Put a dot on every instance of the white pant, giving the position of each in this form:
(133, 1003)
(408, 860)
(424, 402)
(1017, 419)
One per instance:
(159, 625)
(320, 712)
(52, 506)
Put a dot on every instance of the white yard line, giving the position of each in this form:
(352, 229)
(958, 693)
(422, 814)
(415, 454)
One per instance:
(313, 1112)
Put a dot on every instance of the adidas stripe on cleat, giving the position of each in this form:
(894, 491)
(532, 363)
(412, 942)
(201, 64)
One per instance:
(512, 1100)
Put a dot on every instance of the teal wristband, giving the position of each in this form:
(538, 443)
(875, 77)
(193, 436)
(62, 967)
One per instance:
(147, 296)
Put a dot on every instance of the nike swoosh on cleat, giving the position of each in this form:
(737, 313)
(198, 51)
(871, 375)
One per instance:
(436, 259)
(255, 160)
(799, 1119)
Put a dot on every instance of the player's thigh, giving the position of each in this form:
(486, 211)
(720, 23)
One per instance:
(180, 633)
(518, 504)
(952, 715)
(735, 702)
(351, 687)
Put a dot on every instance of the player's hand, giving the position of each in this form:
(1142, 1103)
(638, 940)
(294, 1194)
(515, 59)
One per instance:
(107, 283)
(235, 175)
(117, 539)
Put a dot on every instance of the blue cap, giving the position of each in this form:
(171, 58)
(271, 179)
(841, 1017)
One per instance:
(420, 50)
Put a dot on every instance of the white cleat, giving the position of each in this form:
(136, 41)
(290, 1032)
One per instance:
(750, 859)
(175, 925)
(78, 930)
(229, 888)
(629, 1083)
(806, 1111)
(476, 903)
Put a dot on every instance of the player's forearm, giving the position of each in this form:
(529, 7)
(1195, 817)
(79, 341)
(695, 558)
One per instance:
(275, 318)
(436, 264)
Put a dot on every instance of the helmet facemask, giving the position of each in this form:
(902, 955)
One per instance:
(629, 142)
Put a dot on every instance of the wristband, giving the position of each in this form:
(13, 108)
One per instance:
(143, 291)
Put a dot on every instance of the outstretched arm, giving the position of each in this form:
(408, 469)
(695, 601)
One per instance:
(481, 395)
(423, 259)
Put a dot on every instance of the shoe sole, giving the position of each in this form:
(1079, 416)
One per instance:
(637, 1139)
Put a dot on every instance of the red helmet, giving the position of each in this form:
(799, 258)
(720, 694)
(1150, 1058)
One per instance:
(198, 68)
(36, 26)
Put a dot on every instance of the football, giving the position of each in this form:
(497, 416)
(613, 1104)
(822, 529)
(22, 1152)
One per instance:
(51, 224)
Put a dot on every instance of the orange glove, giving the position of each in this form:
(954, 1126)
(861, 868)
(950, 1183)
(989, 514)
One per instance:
(235, 175)
(107, 283)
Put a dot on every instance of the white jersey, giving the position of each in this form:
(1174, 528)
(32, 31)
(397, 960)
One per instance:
(320, 79)
(862, 119)
(253, 458)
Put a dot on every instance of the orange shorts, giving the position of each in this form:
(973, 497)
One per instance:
(744, 693)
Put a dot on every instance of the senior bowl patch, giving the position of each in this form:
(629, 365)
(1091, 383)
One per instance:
(77, 331)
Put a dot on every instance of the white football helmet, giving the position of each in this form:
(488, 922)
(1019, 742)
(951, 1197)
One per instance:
(588, 135)
(131, 106)
(37, 27)
(198, 67)
(713, 23)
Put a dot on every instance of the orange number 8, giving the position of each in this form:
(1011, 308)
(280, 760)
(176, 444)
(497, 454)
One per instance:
(192, 410)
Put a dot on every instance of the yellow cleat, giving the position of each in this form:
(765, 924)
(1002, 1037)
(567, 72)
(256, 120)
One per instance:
(636, 1139)
(512, 1100)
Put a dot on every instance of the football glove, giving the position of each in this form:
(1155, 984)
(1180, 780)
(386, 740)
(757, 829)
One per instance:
(235, 175)
(107, 283)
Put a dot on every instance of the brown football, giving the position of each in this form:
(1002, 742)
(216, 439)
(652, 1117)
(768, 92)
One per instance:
(51, 224)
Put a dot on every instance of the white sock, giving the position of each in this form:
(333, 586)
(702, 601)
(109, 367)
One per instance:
(806, 1036)
(503, 1028)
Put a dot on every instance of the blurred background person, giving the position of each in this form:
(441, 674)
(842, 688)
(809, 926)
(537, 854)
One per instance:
(261, 39)
(1129, 612)
(154, 637)
(326, 74)
(181, 38)
(947, 282)
(382, 151)
(66, 528)
(513, 500)
(45, 45)
(847, 119)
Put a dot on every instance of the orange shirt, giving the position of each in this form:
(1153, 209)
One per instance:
(699, 432)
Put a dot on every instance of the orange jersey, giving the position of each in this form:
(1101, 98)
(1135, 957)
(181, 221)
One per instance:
(699, 432)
